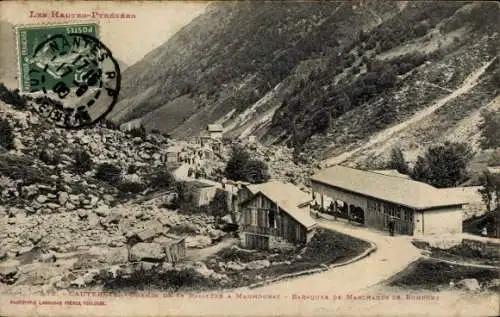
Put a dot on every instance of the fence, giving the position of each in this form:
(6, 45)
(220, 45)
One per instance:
(176, 251)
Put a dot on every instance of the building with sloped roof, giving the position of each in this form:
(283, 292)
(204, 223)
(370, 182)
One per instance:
(215, 131)
(275, 214)
(374, 199)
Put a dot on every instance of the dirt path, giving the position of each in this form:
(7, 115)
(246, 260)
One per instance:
(393, 255)
(203, 254)
(384, 135)
(181, 172)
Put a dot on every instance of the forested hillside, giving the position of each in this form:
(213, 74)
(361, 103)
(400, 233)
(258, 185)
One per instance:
(321, 77)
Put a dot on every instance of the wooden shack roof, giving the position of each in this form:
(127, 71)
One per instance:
(393, 189)
(288, 197)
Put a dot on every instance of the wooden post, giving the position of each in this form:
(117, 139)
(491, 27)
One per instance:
(322, 203)
(348, 213)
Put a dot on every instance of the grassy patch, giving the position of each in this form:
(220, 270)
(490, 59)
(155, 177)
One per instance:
(170, 280)
(432, 274)
(326, 247)
(330, 247)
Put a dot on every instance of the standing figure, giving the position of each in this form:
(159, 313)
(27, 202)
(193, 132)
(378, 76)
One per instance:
(391, 226)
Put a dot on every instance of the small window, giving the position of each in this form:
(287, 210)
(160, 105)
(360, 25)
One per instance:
(254, 217)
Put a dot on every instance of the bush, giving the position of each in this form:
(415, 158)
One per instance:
(109, 173)
(397, 161)
(183, 196)
(83, 162)
(108, 124)
(131, 187)
(12, 97)
(6, 135)
(256, 172)
(138, 132)
(241, 167)
(49, 157)
(21, 168)
(443, 165)
(490, 129)
(164, 179)
(219, 205)
(132, 169)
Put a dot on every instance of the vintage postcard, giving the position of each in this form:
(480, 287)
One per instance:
(293, 158)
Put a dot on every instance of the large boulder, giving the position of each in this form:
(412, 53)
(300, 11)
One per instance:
(41, 199)
(234, 266)
(151, 252)
(8, 273)
(198, 242)
(63, 197)
(258, 264)
(117, 256)
(470, 284)
(102, 211)
(146, 234)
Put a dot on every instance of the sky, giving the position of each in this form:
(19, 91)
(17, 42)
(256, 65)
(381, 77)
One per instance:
(128, 39)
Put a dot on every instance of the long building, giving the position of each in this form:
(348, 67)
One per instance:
(373, 198)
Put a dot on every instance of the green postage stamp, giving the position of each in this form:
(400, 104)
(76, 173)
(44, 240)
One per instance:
(30, 37)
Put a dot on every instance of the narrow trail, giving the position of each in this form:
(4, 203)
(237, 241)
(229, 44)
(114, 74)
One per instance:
(470, 82)
(203, 254)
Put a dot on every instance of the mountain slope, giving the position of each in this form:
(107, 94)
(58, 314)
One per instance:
(321, 77)
(235, 52)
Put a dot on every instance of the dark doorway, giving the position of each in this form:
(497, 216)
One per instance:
(358, 215)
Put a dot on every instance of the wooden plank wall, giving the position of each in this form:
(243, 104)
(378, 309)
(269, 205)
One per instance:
(287, 227)
(176, 251)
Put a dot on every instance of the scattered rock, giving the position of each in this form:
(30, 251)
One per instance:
(152, 252)
(82, 214)
(102, 211)
(147, 234)
(113, 218)
(93, 200)
(235, 266)
(8, 273)
(78, 282)
(35, 237)
(63, 197)
(41, 199)
(74, 199)
(470, 284)
(165, 221)
(70, 206)
(258, 264)
(494, 283)
(48, 257)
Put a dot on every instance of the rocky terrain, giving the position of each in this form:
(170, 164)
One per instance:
(323, 78)
(62, 228)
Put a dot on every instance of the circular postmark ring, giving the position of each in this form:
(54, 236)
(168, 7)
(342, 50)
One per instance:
(82, 78)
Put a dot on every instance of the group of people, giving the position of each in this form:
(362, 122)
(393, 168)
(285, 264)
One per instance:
(333, 209)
